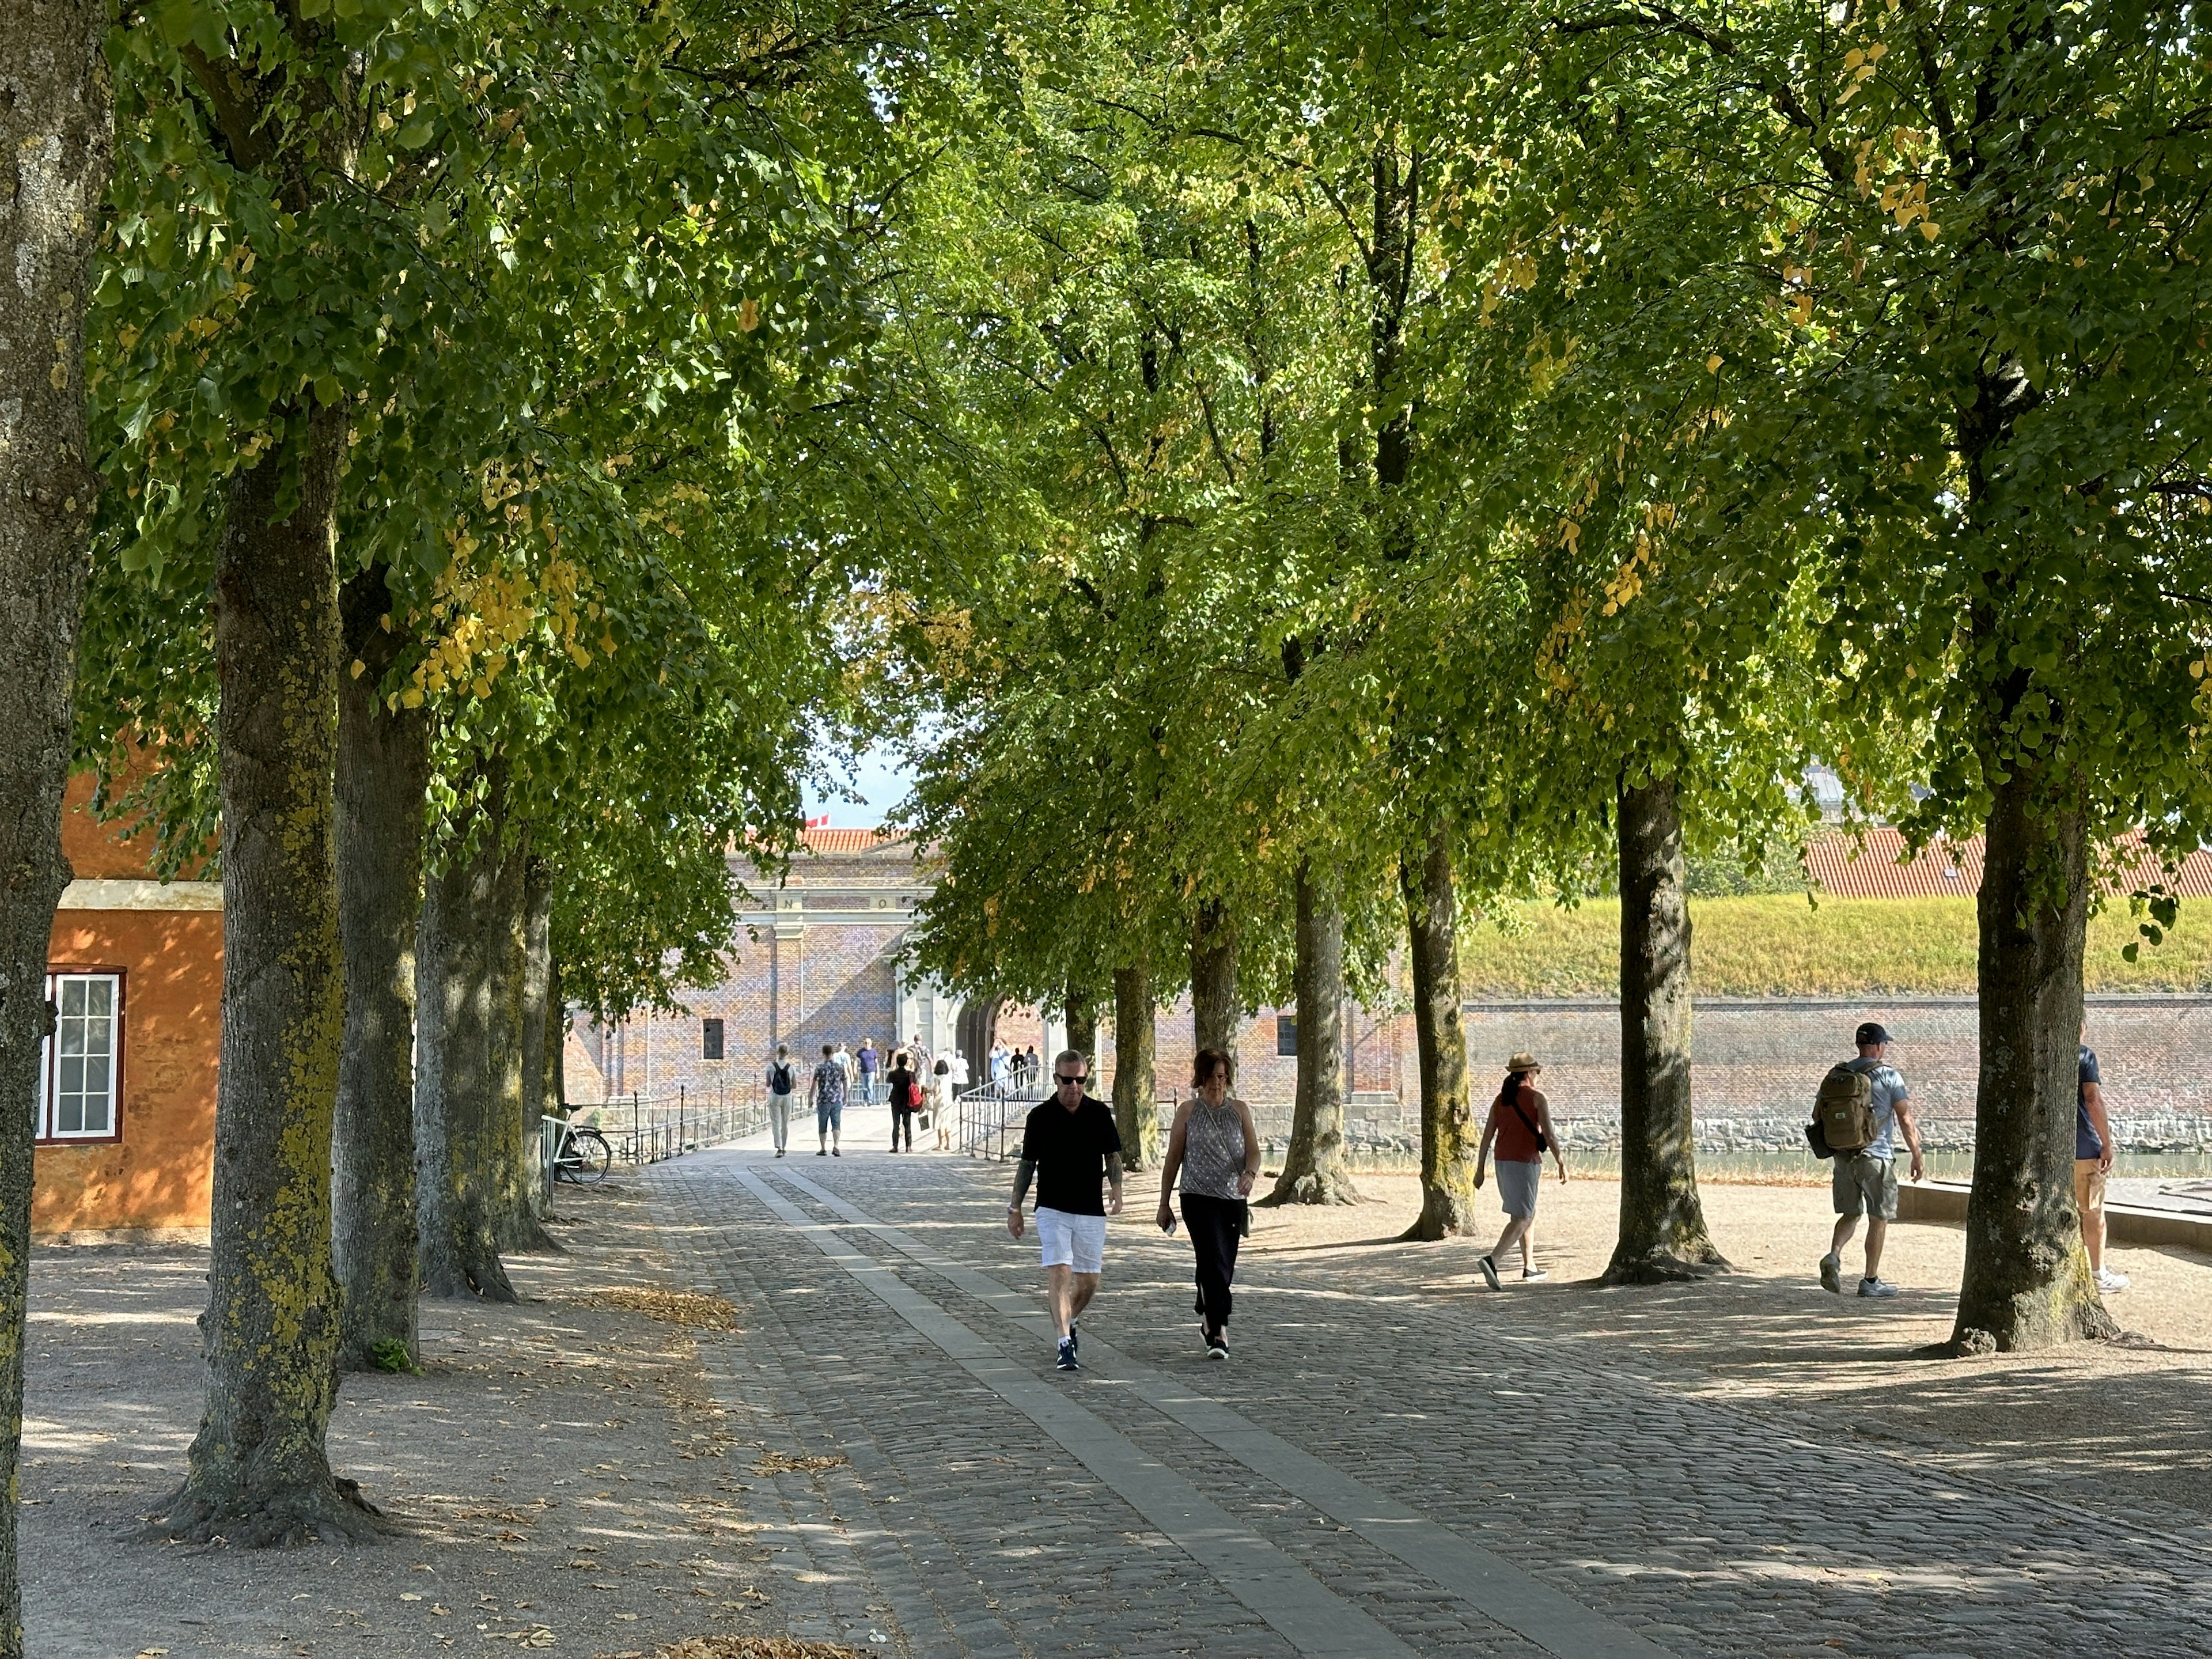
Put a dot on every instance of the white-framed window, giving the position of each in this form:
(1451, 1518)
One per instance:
(80, 1066)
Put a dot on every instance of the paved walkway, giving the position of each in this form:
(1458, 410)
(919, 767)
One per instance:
(1371, 1474)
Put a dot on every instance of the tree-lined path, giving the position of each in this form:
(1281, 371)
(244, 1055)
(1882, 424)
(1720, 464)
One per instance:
(1431, 1466)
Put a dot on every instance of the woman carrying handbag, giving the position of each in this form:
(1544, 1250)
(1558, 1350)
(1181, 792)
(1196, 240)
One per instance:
(1521, 1124)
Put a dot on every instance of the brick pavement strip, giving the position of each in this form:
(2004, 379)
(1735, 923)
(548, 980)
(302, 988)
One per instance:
(1249, 1568)
(1707, 1525)
(1501, 1591)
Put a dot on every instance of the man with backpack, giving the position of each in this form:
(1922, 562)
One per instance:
(782, 1081)
(1863, 1106)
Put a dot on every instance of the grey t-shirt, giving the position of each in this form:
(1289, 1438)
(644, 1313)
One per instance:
(1888, 1085)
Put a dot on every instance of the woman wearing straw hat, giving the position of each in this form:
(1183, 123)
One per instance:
(1521, 1124)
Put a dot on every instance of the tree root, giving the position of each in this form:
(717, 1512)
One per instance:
(1314, 1187)
(326, 1511)
(1660, 1266)
(1441, 1218)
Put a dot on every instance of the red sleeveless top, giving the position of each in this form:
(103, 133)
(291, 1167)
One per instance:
(1517, 1141)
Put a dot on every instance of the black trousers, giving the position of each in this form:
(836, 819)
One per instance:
(1215, 1233)
(902, 1117)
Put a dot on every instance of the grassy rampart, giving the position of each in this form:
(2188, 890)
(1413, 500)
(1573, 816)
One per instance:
(1780, 945)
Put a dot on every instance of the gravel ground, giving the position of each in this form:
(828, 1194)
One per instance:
(558, 1478)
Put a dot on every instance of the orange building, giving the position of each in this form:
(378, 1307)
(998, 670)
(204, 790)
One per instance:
(127, 1082)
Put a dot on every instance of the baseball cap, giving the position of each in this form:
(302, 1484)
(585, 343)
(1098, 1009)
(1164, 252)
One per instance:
(1870, 1032)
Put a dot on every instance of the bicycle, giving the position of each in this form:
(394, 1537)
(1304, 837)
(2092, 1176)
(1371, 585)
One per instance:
(580, 1154)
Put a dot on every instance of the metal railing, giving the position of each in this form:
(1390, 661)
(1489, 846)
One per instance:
(650, 1129)
(990, 1120)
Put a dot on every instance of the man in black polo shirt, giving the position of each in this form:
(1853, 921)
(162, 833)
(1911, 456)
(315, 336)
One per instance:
(1070, 1146)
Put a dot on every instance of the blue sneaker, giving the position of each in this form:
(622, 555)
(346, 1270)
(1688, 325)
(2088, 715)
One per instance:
(1068, 1355)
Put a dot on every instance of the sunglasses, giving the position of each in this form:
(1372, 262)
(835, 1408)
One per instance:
(1063, 1078)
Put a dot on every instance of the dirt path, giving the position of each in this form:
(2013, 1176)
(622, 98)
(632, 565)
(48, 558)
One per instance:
(557, 1479)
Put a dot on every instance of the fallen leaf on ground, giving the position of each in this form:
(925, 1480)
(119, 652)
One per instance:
(750, 1647)
(775, 1462)
(690, 1309)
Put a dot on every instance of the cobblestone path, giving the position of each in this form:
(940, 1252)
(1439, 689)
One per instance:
(1372, 1473)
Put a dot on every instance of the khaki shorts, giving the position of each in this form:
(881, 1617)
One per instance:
(2088, 1185)
(1864, 1184)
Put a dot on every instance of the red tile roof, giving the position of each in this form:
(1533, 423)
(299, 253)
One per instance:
(1841, 866)
(821, 838)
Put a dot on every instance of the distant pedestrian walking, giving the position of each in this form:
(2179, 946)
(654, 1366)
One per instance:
(1216, 1148)
(782, 1083)
(905, 1097)
(999, 1064)
(1070, 1146)
(1520, 1125)
(827, 1093)
(941, 1103)
(870, 1059)
(2093, 1162)
(1863, 1106)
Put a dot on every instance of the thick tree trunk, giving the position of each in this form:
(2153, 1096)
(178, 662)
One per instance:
(517, 1226)
(258, 1473)
(56, 132)
(383, 773)
(1134, 1113)
(1082, 1025)
(1662, 1225)
(1314, 1169)
(2026, 1282)
(457, 1128)
(540, 1023)
(1213, 1002)
(1447, 1136)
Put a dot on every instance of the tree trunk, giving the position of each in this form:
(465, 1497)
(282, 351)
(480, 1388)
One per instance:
(540, 1025)
(514, 1088)
(383, 773)
(1213, 1003)
(457, 1152)
(258, 1473)
(1447, 1133)
(56, 132)
(1082, 1026)
(1662, 1225)
(1134, 1113)
(556, 1036)
(2027, 1283)
(1314, 1170)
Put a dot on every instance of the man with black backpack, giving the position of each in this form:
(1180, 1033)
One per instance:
(1863, 1106)
(782, 1081)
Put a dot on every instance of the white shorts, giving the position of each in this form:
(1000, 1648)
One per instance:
(1072, 1240)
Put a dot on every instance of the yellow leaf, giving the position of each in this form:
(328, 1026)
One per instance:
(359, 668)
(1930, 229)
(749, 316)
(1713, 363)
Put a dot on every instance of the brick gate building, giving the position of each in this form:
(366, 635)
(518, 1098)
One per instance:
(818, 963)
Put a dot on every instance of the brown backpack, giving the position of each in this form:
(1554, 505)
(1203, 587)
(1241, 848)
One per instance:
(1844, 1109)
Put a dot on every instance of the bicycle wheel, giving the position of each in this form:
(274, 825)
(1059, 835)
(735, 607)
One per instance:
(589, 1156)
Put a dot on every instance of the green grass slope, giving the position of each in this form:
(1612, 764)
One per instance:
(1780, 945)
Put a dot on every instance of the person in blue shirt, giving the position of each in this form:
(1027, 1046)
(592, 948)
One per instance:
(2093, 1162)
(1865, 1181)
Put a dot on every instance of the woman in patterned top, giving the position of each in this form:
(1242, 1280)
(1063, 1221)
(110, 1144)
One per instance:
(1217, 1149)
